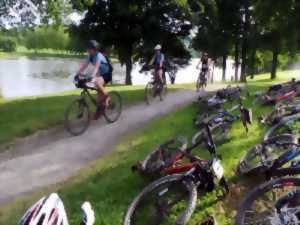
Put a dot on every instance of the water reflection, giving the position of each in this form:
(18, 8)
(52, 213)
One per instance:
(31, 77)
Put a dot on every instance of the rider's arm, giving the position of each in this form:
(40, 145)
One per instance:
(151, 61)
(200, 62)
(96, 68)
(83, 66)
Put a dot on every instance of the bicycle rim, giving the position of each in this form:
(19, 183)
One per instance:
(77, 117)
(258, 208)
(150, 92)
(261, 157)
(167, 201)
(114, 109)
(163, 92)
(290, 124)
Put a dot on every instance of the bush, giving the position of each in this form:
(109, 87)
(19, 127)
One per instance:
(8, 44)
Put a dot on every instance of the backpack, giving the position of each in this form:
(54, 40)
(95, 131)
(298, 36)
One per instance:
(110, 66)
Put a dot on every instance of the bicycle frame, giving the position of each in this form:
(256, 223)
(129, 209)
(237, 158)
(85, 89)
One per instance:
(86, 94)
(276, 169)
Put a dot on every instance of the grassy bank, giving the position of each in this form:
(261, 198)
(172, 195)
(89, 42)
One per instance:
(24, 116)
(110, 185)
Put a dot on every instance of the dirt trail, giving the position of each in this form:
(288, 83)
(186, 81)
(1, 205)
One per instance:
(40, 161)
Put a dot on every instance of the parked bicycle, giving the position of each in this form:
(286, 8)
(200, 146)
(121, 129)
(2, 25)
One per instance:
(162, 200)
(50, 210)
(221, 120)
(276, 202)
(78, 114)
(155, 88)
(280, 112)
(273, 157)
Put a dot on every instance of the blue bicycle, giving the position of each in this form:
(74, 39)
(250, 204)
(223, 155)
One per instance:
(274, 157)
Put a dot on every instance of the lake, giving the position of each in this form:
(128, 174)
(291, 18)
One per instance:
(30, 77)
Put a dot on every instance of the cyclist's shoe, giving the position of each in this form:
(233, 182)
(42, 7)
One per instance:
(88, 214)
(209, 221)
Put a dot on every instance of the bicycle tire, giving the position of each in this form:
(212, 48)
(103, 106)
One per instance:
(258, 152)
(115, 103)
(149, 93)
(150, 165)
(198, 84)
(260, 191)
(163, 92)
(184, 216)
(67, 120)
(272, 131)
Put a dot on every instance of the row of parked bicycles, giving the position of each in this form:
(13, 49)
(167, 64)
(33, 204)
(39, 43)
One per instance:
(182, 175)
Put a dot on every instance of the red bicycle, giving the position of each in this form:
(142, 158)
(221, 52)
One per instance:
(172, 198)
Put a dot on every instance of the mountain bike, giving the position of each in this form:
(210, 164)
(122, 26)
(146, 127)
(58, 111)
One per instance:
(162, 200)
(78, 113)
(202, 80)
(221, 121)
(271, 157)
(276, 94)
(155, 88)
(280, 112)
(275, 202)
(287, 124)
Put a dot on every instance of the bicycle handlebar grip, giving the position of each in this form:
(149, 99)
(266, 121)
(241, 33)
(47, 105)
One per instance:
(88, 214)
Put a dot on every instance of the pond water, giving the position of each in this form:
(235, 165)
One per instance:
(30, 77)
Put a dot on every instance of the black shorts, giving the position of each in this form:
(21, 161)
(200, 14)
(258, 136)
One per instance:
(107, 78)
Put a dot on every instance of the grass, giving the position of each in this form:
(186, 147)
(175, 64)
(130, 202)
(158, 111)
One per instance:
(110, 185)
(24, 116)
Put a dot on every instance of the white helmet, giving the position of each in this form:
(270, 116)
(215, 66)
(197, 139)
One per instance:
(158, 47)
(47, 211)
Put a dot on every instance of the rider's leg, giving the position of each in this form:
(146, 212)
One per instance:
(101, 93)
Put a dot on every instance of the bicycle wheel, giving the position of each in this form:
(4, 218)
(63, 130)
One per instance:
(162, 157)
(77, 117)
(150, 93)
(163, 92)
(271, 203)
(113, 111)
(289, 124)
(198, 84)
(260, 158)
(170, 200)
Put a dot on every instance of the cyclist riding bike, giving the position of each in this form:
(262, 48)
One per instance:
(50, 211)
(205, 62)
(158, 60)
(101, 74)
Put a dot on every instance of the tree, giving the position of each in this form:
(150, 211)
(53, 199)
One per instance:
(278, 27)
(132, 27)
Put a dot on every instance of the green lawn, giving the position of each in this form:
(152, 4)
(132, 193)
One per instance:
(110, 185)
(22, 117)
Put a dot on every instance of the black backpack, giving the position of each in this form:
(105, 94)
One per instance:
(110, 66)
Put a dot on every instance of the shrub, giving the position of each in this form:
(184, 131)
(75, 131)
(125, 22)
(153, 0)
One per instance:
(8, 44)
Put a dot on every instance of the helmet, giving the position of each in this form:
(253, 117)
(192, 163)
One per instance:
(157, 47)
(47, 211)
(93, 44)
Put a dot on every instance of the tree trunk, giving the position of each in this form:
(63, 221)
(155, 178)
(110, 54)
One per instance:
(274, 62)
(243, 77)
(128, 64)
(236, 59)
(224, 66)
(252, 63)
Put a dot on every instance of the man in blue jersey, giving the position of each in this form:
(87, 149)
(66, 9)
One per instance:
(101, 72)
